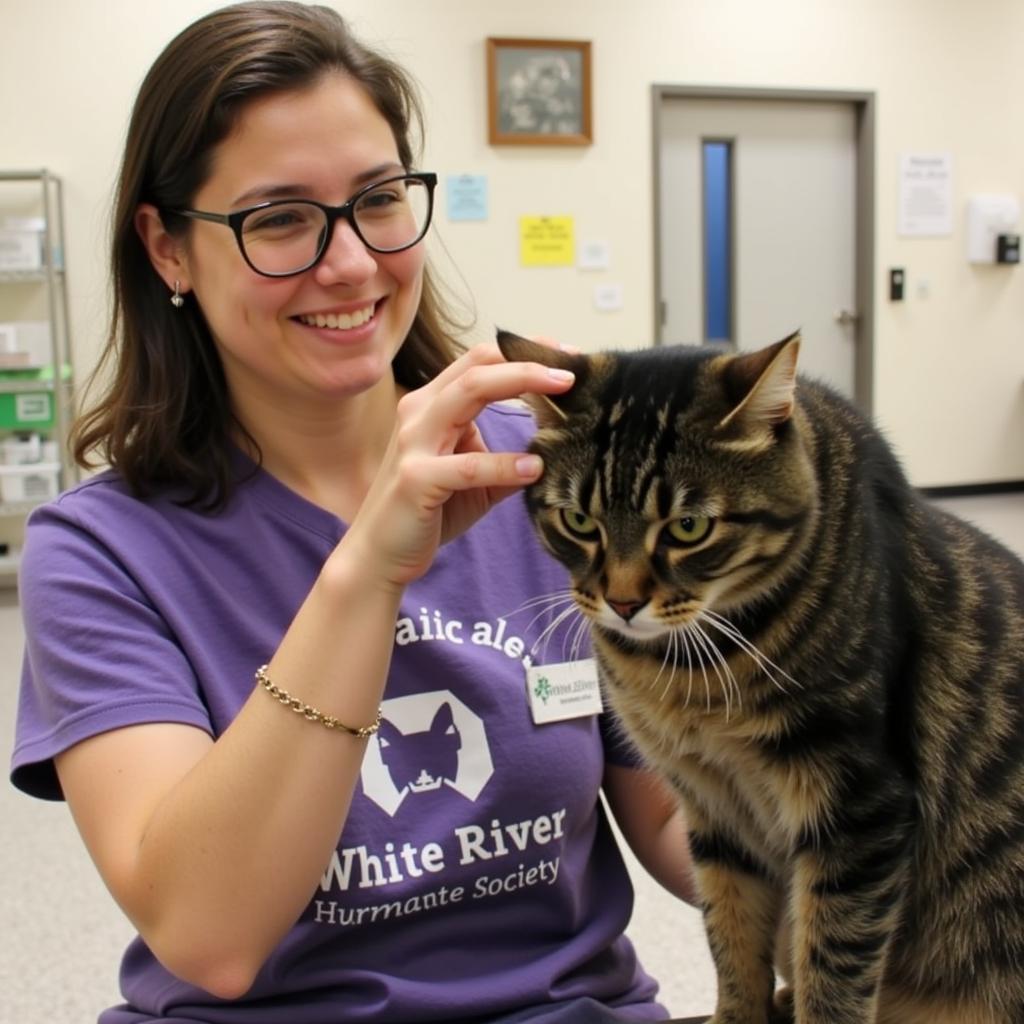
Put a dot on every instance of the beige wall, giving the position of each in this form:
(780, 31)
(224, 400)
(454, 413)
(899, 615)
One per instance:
(949, 366)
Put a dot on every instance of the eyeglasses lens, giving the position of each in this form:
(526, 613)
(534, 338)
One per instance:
(285, 237)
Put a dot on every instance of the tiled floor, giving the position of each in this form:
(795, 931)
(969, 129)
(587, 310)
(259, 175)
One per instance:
(61, 935)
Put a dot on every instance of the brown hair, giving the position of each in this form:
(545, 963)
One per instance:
(165, 414)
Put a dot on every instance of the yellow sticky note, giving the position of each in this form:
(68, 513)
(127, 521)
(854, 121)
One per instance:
(546, 242)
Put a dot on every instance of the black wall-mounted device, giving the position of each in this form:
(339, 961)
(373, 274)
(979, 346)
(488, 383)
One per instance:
(1008, 248)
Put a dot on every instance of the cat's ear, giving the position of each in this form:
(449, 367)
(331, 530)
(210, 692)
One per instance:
(548, 410)
(763, 385)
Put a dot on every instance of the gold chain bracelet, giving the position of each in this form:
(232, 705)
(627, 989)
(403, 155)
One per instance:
(310, 713)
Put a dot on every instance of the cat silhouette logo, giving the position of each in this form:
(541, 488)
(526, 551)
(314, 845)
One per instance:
(426, 741)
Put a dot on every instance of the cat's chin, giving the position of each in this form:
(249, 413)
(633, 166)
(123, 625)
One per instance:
(639, 630)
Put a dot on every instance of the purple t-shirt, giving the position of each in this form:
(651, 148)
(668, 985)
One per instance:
(476, 875)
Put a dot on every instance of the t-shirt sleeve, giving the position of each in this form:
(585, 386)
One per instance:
(98, 656)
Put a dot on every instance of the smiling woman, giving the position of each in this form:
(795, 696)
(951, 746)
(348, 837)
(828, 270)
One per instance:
(148, 425)
(293, 432)
(300, 308)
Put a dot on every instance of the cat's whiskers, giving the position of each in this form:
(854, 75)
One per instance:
(701, 658)
(670, 651)
(702, 661)
(675, 647)
(566, 605)
(729, 681)
(547, 603)
(582, 630)
(689, 663)
(713, 655)
(549, 631)
(763, 662)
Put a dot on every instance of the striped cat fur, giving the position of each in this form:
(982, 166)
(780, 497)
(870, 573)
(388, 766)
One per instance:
(828, 669)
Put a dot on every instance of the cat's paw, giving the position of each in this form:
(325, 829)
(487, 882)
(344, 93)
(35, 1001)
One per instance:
(741, 1017)
(782, 1009)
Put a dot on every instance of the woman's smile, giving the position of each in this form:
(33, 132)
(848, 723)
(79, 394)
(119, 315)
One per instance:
(340, 320)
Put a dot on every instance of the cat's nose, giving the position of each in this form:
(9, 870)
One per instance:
(625, 609)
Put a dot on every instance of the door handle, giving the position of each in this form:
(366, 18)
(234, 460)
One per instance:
(847, 316)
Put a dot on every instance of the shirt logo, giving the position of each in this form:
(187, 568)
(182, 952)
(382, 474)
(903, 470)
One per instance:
(426, 741)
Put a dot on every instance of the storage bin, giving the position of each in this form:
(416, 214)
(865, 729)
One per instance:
(21, 243)
(25, 344)
(38, 482)
(21, 450)
(26, 410)
(20, 250)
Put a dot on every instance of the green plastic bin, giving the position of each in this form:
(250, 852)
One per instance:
(26, 410)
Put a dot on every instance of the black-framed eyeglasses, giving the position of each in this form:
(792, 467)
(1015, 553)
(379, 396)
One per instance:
(288, 236)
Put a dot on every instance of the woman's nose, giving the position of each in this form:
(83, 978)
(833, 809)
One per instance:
(346, 257)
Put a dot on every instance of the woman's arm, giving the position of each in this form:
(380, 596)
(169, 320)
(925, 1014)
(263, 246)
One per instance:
(213, 848)
(651, 820)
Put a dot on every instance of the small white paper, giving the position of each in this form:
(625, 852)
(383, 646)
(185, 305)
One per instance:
(608, 297)
(566, 690)
(466, 197)
(594, 254)
(926, 195)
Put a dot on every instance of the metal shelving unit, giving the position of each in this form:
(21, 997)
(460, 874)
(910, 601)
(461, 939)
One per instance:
(38, 293)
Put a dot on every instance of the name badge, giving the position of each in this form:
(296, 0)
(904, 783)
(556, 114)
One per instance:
(563, 691)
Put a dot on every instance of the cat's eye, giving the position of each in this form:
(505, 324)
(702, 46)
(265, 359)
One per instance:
(579, 524)
(689, 529)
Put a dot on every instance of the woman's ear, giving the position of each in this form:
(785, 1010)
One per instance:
(166, 252)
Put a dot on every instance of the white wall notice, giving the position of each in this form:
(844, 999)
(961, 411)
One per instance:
(926, 195)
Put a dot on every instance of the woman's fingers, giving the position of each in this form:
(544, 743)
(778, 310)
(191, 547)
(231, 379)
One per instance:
(435, 417)
(487, 353)
(476, 365)
(439, 477)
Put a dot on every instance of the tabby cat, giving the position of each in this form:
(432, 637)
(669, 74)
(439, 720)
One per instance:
(828, 669)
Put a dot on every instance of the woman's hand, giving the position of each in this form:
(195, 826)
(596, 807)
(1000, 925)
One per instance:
(438, 477)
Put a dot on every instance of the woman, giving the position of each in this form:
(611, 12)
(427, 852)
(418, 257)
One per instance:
(302, 461)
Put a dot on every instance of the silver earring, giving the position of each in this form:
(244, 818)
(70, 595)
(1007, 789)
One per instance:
(176, 300)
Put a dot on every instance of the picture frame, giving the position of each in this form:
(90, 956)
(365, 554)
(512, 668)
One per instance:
(538, 92)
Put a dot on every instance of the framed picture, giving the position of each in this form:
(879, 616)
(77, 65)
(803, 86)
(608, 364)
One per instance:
(538, 92)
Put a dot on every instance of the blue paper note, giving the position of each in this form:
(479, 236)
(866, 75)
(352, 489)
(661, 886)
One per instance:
(467, 196)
